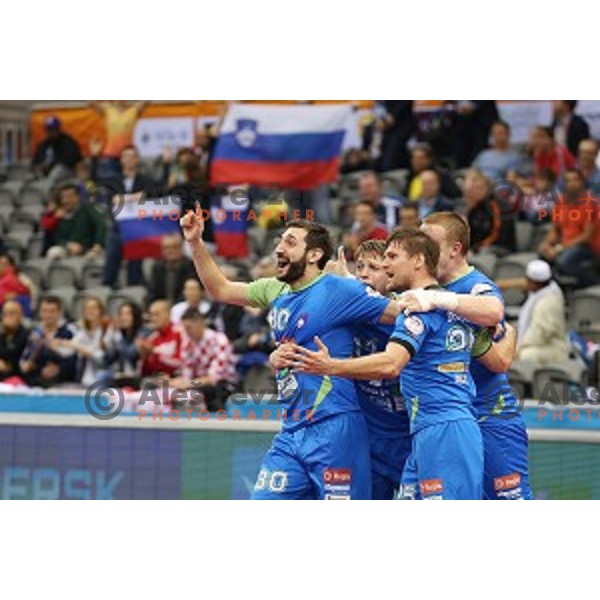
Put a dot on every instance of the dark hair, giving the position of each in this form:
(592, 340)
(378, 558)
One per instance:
(138, 319)
(49, 299)
(376, 247)
(547, 130)
(547, 174)
(425, 148)
(456, 227)
(129, 147)
(576, 172)
(9, 258)
(69, 185)
(317, 237)
(366, 203)
(502, 124)
(571, 104)
(413, 242)
(192, 314)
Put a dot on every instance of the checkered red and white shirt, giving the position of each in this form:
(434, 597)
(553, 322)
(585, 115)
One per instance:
(211, 356)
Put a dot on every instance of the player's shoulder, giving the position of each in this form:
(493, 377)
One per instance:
(478, 283)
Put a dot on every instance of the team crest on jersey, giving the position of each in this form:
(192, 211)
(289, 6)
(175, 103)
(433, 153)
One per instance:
(302, 321)
(414, 325)
(481, 288)
(459, 338)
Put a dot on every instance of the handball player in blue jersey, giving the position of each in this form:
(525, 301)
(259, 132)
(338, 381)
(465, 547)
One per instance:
(380, 399)
(322, 451)
(432, 351)
(505, 442)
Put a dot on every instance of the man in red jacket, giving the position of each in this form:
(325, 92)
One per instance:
(10, 284)
(161, 350)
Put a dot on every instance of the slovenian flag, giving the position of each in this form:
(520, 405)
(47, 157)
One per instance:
(296, 147)
(230, 226)
(143, 223)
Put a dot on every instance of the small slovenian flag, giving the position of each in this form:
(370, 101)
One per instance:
(296, 147)
(143, 223)
(230, 225)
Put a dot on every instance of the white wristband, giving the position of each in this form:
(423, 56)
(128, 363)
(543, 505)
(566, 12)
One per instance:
(445, 300)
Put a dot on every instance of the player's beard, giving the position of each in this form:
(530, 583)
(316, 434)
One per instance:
(295, 270)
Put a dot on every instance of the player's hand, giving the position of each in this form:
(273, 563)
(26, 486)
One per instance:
(283, 357)
(316, 362)
(339, 266)
(426, 301)
(192, 225)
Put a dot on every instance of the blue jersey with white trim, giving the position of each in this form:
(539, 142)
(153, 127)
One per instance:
(436, 383)
(328, 307)
(494, 396)
(380, 399)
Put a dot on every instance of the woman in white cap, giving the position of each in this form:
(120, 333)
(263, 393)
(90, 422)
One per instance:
(542, 328)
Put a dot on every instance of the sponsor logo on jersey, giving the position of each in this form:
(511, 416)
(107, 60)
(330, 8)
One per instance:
(454, 367)
(431, 487)
(414, 325)
(337, 484)
(507, 482)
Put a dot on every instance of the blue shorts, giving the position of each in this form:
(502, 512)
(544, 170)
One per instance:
(506, 461)
(328, 460)
(388, 456)
(446, 463)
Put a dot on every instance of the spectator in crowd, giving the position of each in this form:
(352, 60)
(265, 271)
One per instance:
(542, 329)
(538, 202)
(130, 186)
(160, 350)
(206, 140)
(421, 159)
(122, 355)
(57, 154)
(208, 361)
(45, 361)
(354, 160)
(13, 339)
(193, 297)
(471, 129)
(587, 154)
(89, 343)
(569, 129)
(11, 286)
(386, 207)
(547, 154)
(119, 118)
(395, 119)
(171, 271)
(227, 318)
(409, 215)
(73, 227)
(573, 243)
(483, 214)
(365, 227)
(500, 158)
(431, 199)
(83, 177)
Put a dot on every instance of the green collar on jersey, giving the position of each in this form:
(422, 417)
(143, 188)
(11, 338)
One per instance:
(306, 285)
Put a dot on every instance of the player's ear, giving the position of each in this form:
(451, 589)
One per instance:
(315, 255)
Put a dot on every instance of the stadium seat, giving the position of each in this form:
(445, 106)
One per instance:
(91, 275)
(31, 196)
(5, 212)
(36, 269)
(524, 234)
(585, 308)
(14, 187)
(133, 293)
(23, 221)
(35, 246)
(19, 173)
(485, 262)
(552, 382)
(7, 197)
(66, 272)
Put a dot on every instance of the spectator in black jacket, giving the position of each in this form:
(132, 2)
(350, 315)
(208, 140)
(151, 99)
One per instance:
(130, 186)
(56, 156)
(170, 273)
(472, 123)
(421, 159)
(569, 128)
(13, 338)
(45, 360)
(398, 124)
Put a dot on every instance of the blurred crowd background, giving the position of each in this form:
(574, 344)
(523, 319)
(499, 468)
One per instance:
(74, 312)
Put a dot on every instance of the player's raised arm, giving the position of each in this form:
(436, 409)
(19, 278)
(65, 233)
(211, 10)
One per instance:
(381, 365)
(486, 311)
(217, 285)
(500, 354)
